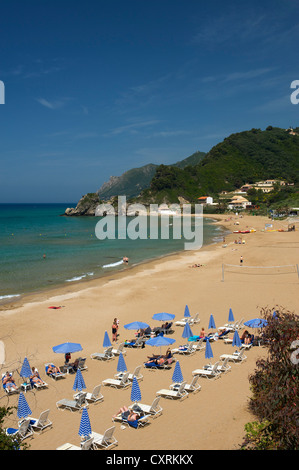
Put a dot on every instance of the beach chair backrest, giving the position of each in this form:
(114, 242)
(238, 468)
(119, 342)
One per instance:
(86, 445)
(196, 318)
(215, 366)
(108, 351)
(81, 362)
(24, 427)
(124, 378)
(194, 381)
(43, 418)
(136, 371)
(81, 399)
(121, 347)
(108, 435)
(181, 388)
(224, 364)
(96, 391)
(154, 405)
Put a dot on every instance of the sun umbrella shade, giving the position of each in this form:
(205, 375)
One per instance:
(187, 331)
(160, 341)
(208, 351)
(26, 369)
(187, 312)
(121, 365)
(236, 340)
(256, 323)
(135, 391)
(177, 375)
(79, 383)
(67, 348)
(106, 342)
(136, 325)
(212, 322)
(163, 316)
(231, 316)
(23, 408)
(85, 427)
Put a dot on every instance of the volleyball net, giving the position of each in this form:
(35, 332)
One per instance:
(259, 270)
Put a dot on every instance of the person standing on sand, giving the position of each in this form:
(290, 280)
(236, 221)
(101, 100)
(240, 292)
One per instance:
(241, 261)
(114, 329)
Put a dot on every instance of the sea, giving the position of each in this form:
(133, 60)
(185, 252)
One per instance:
(40, 248)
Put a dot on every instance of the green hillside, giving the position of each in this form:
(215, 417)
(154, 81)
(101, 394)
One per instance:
(245, 157)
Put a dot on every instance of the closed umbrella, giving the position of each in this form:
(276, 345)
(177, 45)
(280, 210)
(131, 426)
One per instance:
(236, 340)
(79, 383)
(187, 312)
(230, 316)
(135, 391)
(187, 333)
(26, 369)
(85, 427)
(177, 376)
(121, 364)
(23, 408)
(106, 342)
(212, 323)
(208, 350)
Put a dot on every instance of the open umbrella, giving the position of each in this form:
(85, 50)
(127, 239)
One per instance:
(256, 323)
(208, 350)
(106, 342)
(26, 369)
(230, 316)
(135, 391)
(163, 316)
(236, 340)
(136, 325)
(67, 348)
(23, 408)
(79, 383)
(187, 312)
(85, 427)
(212, 323)
(177, 376)
(187, 333)
(121, 364)
(160, 341)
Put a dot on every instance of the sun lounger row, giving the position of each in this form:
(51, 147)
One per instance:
(95, 441)
(190, 320)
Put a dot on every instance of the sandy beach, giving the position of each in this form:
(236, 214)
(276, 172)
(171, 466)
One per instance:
(212, 419)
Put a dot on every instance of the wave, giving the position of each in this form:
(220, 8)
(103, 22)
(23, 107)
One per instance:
(113, 264)
(78, 278)
(8, 296)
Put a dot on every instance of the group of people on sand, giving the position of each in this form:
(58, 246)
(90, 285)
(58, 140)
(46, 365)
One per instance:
(9, 382)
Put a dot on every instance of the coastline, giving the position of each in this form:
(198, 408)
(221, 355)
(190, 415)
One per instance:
(48, 292)
(167, 284)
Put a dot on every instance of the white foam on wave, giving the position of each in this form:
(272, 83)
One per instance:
(113, 264)
(78, 278)
(8, 296)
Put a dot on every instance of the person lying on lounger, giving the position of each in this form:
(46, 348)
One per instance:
(8, 382)
(126, 414)
(35, 378)
(53, 369)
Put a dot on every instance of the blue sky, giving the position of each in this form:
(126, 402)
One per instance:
(95, 88)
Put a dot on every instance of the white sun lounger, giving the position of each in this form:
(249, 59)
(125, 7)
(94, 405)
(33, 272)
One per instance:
(72, 405)
(136, 374)
(105, 356)
(221, 367)
(120, 349)
(86, 445)
(154, 409)
(94, 397)
(23, 431)
(191, 387)
(123, 382)
(105, 440)
(212, 373)
(180, 393)
(237, 356)
(187, 350)
(41, 423)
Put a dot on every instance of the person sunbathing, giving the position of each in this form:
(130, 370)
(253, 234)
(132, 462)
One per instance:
(126, 414)
(35, 378)
(53, 369)
(8, 382)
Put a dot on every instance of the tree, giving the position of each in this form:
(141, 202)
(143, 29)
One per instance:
(8, 442)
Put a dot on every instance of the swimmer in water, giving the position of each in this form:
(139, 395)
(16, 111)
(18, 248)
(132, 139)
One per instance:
(125, 259)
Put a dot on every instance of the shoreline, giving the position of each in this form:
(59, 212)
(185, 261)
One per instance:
(45, 294)
(167, 284)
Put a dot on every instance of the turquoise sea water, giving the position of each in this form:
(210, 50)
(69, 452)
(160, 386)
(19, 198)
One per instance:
(73, 252)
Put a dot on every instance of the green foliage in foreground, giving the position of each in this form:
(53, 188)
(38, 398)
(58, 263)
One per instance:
(8, 442)
(275, 386)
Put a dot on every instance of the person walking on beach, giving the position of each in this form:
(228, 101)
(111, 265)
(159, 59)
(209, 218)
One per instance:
(241, 261)
(114, 330)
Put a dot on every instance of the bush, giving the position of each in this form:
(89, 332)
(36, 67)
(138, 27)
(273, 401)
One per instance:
(275, 386)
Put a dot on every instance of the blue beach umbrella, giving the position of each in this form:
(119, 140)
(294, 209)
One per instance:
(163, 316)
(256, 323)
(177, 376)
(135, 391)
(211, 323)
(26, 369)
(236, 340)
(187, 333)
(121, 364)
(79, 383)
(23, 408)
(187, 312)
(106, 342)
(67, 348)
(85, 427)
(136, 325)
(160, 341)
(208, 350)
(231, 316)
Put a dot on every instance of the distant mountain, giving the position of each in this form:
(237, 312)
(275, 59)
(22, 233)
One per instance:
(133, 181)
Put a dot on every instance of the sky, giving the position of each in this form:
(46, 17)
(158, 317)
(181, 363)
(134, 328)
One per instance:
(95, 88)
